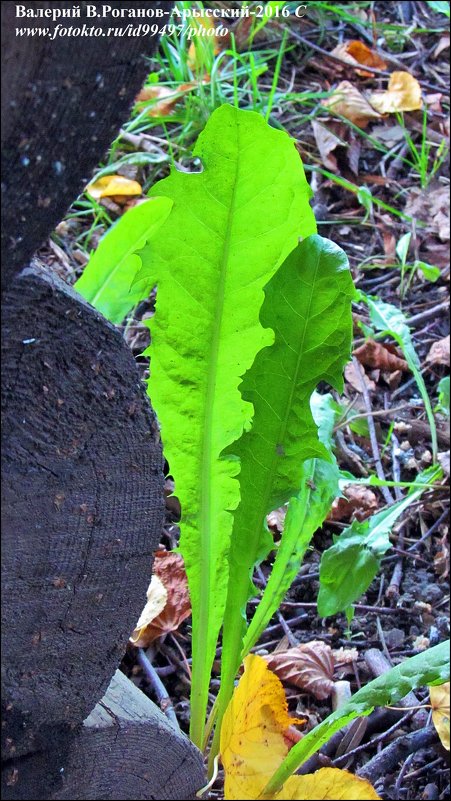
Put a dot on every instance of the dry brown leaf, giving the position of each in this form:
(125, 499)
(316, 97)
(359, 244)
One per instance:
(309, 666)
(353, 378)
(440, 711)
(157, 597)
(439, 352)
(168, 569)
(356, 52)
(403, 94)
(441, 558)
(443, 460)
(326, 142)
(442, 45)
(112, 185)
(432, 207)
(348, 102)
(165, 97)
(276, 518)
(359, 502)
(383, 357)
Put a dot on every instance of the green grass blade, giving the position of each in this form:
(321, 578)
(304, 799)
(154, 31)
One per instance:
(308, 304)
(230, 228)
(306, 513)
(428, 668)
(107, 278)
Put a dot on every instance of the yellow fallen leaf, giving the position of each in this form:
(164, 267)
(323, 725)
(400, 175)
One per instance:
(327, 783)
(255, 738)
(440, 711)
(403, 94)
(111, 185)
(157, 595)
(252, 742)
(346, 101)
(165, 97)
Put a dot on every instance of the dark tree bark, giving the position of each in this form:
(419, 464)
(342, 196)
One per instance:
(82, 493)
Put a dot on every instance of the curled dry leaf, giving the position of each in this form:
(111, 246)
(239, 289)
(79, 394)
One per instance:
(379, 356)
(256, 735)
(358, 503)
(440, 711)
(356, 52)
(112, 185)
(309, 666)
(439, 352)
(169, 569)
(353, 378)
(326, 142)
(346, 101)
(157, 596)
(403, 94)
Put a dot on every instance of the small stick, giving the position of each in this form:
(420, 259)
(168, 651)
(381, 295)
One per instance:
(286, 629)
(373, 438)
(388, 758)
(341, 760)
(158, 687)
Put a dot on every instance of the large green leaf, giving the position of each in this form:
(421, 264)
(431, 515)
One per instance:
(107, 278)
(349, 566)
(308, 305)
(428, 668)
(230, 228)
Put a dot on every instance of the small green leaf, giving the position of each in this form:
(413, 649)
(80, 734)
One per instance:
(428, 668)
(107, 278)
(443, 395)
(430, 272)
(349, 566)
(442, 7)
(402, 248)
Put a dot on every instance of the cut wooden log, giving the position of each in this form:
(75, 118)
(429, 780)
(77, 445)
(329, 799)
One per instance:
(126, 749)
(82, 506)
(63, 101)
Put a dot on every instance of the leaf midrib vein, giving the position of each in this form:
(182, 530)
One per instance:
(207, 457)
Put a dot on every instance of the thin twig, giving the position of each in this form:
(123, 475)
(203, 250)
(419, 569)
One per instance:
(372, 430)
(375, 741)
(158, 687)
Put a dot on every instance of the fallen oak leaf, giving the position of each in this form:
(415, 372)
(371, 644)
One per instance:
(356, 52)
(346, 101)
(379, 356)
(439, 696)
(112, 185)
(403, 94)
